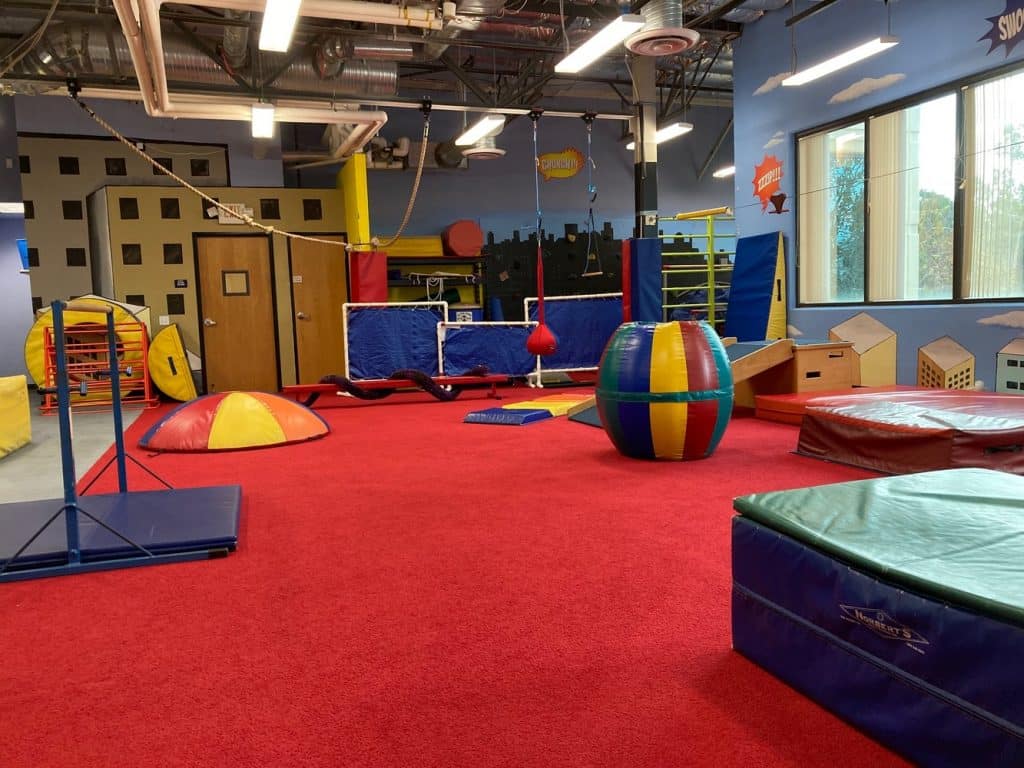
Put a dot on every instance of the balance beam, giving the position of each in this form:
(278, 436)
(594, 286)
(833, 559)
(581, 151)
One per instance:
(299, 391)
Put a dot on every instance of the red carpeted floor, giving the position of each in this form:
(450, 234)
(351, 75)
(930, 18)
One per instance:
(413, 591)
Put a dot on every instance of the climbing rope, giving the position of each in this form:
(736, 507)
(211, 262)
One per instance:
(593, 242)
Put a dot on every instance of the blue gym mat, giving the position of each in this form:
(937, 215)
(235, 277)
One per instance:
(513, 417)
(165, 521)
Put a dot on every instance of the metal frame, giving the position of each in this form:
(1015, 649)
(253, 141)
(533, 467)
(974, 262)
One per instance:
(535, 379)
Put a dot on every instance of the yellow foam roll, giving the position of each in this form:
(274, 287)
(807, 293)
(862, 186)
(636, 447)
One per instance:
(668, 374)
(15, 419)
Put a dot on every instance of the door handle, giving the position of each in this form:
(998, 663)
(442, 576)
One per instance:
(209, 322)
(302, 316)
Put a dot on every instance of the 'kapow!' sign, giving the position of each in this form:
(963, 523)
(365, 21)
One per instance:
(1007, 27)
(560, 165)
(767, 176)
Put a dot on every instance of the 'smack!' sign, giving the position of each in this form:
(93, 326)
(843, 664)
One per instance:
(1007, 28)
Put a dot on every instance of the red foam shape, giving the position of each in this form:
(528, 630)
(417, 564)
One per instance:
(542, 341)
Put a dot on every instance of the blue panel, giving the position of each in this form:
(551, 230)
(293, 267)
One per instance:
(382, 340)
(582, 327)
(645, 279)
(753, 280)
(936, 683)
(162, 521)
(513, 417)
(502, 348)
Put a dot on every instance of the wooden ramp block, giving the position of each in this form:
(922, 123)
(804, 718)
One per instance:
(750, 358)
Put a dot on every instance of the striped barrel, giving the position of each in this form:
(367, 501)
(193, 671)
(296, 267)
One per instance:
(664, 390)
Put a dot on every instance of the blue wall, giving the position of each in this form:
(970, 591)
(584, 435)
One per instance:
(15, 291)
(58, 115)
(939, 43)
(499, 194)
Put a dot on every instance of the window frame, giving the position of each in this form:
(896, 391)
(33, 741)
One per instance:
(957, 88)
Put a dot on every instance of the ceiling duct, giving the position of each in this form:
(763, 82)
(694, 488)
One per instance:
(87, 49)
(664, 33)
(235, 41)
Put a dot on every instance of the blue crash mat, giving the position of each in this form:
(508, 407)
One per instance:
(513, 417)
(165, 521)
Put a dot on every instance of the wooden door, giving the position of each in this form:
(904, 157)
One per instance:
(319, 288)
(236, 299)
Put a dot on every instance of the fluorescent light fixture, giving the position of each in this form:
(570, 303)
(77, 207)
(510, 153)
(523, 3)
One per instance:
(12, 208)
(279, 19)
(725, 173)
(841, 60)
(601, 43)
(263, 121)
(667, 132)
(482, 127)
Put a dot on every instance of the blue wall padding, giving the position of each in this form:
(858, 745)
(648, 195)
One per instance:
(384, 340)
(753, 280)
(582, 327)
(645, 279)
(502, 348)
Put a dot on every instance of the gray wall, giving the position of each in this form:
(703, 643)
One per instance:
(15, 292)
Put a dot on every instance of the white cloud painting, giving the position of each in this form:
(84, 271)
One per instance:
(866, 86)
(777, 138)
(1013, 319)
(793, 332)
(771, 83)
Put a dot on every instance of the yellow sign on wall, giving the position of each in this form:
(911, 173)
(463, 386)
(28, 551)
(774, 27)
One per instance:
(560, 165)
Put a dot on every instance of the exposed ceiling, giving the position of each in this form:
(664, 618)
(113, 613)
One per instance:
(361, 55)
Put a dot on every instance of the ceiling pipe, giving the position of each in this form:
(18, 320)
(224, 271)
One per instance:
(156, 99)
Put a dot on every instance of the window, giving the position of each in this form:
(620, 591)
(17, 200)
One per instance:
(24, 164)
(30, 209)
(68, 166)
(75, 257)
(131, 254)
(994, 189)
(312, 210)
(918, 203)
(129, 207)
(33, 257)
(207, 208)
(910, 196)
(137, 299)
(270, 208)
(172, 253)
(37, 303)
(166, 162)
(116, 166)
(831, 238)
(72, 209)
(200, 166)
(175, 304)
(169, 208)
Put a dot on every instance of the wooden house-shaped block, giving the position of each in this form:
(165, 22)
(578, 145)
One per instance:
(1010, 368)
(945, 364)
(874, 350)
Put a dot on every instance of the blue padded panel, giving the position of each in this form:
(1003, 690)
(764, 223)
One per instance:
(384, 340)
(935, 682)
(513, 417)
(582, 327)
(180, 520)
(645, 279)
(502, 348)
(753, 280)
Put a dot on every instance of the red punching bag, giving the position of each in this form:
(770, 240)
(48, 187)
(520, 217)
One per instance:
(541, 341)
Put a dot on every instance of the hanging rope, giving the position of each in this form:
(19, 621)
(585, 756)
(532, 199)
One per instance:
(249, 220)
(593, 242)
(377, 243)
(541, 341)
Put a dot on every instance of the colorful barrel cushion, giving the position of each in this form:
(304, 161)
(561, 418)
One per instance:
(664, 390)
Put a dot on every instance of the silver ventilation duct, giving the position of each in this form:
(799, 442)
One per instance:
(73, 49)
(664, 34)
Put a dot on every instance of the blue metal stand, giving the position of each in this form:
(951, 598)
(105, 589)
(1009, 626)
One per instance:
(185, 534)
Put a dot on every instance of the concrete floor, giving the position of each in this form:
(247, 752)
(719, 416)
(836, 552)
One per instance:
(34, 472)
